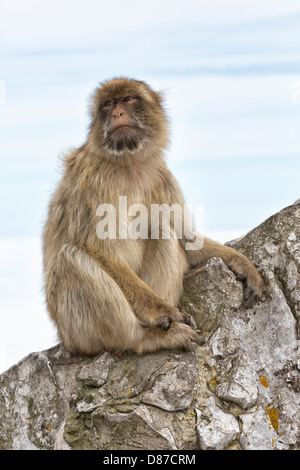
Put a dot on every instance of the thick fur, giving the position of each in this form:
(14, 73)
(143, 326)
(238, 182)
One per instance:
(121, 294)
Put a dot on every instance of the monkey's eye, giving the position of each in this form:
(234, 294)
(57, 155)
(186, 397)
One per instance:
(128, 99)
(108, 103)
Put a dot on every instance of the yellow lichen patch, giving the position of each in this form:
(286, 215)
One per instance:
(273, 417)
(264, 382)
(213, 383)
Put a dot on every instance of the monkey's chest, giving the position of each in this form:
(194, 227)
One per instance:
(123, 226)
(130, 252)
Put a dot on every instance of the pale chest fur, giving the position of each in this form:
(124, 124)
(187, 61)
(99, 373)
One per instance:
(122, 216)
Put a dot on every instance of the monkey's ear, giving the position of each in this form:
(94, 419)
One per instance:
(148, 93)
(157, 96)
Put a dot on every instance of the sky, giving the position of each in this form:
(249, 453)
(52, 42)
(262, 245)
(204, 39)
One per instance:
(230, 74)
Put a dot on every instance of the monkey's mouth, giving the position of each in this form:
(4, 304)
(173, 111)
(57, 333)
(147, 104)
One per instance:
(122, 126)
(124, 137)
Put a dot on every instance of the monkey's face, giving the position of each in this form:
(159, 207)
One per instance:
(123, 127)
(127, 117)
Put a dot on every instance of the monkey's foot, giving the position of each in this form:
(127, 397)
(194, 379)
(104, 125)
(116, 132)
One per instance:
(178, 336)
(183, 336)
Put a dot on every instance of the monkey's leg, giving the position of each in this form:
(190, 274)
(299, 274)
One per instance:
(92, 314)
(89, 309)
(238, 262)
(163, 268)
(149, 308)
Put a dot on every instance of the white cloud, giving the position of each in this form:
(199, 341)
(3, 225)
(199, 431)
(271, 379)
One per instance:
(236, 116)
(76, 22)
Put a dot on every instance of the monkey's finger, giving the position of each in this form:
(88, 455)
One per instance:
(248, 293)
(188, 319)
(241, 278)
(164, 322)
(250, 298)
(250, 302)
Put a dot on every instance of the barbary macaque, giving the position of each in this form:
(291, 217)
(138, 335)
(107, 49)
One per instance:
(106, 291)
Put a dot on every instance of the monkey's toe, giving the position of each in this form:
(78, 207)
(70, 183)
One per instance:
(198, 339)
(190, 339)
(192, 335)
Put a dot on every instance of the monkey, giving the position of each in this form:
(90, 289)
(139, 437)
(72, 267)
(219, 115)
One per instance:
(122, 293)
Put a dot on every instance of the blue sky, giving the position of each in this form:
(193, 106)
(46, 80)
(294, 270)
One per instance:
(230, 73)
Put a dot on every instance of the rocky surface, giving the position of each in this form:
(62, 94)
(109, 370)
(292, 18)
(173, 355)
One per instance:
(241, 390)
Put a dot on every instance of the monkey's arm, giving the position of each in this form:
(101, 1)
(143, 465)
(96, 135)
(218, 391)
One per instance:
(147, 306)
(239, 263)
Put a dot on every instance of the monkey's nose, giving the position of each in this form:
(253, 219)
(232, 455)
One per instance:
(118, 115)
(118, 112)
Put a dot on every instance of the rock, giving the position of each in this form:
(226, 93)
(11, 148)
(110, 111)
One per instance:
(224, 343)
(173, 387)
(257, 433)
(240, 390)
(215, 429)
(203, 286)
(34, 399)
(95, 373)
(238, 381)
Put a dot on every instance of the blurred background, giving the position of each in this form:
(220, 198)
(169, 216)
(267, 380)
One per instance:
(230, 73)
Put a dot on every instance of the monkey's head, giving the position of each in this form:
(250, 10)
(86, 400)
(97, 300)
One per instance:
(127, 119)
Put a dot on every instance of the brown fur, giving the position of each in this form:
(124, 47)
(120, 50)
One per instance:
(121, 294)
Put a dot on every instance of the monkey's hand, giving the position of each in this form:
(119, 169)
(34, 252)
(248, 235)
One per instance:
(237, 262)
(175, 315)
(251, 279)
(182, 317)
